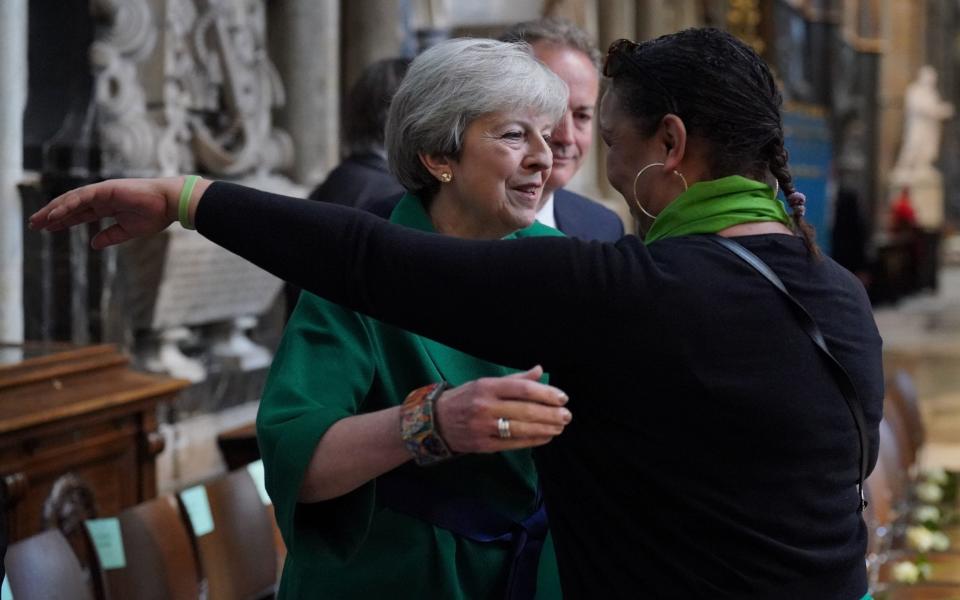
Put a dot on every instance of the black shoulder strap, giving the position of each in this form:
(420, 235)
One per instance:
(810, 326)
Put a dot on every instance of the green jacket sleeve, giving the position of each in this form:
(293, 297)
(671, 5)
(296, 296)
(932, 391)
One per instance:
(323, 370)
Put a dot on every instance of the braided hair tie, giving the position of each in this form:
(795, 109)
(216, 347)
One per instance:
(798, 202)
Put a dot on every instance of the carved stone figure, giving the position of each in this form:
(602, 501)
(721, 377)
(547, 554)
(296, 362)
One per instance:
(185, 86)
(198, 94)
(69, 504)
(924, 112)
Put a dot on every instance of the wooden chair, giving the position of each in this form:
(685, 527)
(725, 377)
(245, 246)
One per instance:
(903, 393)
(44, 567)
(161, 563)
(238, 446)
(895, 418)
(923, 591)
(239, 557)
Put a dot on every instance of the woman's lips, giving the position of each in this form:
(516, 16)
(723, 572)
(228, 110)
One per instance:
(531, 191)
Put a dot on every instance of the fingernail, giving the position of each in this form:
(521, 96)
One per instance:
(566, 415)
(564, 398)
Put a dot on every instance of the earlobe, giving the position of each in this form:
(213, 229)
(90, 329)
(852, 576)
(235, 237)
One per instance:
(439, 166)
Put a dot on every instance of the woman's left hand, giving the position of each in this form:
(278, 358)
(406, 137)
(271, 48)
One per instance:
(468, 415)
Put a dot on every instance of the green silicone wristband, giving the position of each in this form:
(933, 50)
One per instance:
(184, 209)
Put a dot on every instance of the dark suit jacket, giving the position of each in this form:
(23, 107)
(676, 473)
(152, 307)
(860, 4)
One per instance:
(576, 215)
(579, 217)
(357, 180)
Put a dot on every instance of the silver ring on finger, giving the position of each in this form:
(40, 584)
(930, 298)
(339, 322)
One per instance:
(503, 427)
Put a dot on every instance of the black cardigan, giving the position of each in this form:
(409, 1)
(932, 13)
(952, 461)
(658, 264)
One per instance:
(711, 454)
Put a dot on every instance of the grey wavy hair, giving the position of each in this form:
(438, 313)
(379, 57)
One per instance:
(555, 31)
(449, 86)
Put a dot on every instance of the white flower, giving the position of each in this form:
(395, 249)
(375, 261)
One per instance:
(937, 475)
(926, 514)
(940, 541)
(919, 538)
(929, 493)
(906, 572)
(925, 571)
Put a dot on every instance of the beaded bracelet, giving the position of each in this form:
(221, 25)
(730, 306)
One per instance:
(418, 428)
(183, 210)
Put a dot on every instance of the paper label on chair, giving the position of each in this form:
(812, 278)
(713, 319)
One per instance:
(256, 473)
(5, 592)
(198, 507)
(107, 541)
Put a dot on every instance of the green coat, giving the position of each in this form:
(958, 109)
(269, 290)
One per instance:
(334, 363)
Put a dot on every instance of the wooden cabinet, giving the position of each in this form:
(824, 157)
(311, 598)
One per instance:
(78, 435)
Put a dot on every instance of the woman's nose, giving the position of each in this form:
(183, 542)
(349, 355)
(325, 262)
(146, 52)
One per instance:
(539, 157)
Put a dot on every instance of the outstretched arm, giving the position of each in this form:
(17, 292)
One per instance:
(519, 302)
(140, 207)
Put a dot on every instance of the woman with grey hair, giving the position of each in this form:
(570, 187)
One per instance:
(466, 137)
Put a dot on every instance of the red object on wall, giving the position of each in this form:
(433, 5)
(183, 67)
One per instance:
(902, 215)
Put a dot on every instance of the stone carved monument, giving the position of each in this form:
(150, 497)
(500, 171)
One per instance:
(924, 113)
(186, 86)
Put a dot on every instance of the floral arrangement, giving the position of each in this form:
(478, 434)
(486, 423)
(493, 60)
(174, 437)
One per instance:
(925, 534)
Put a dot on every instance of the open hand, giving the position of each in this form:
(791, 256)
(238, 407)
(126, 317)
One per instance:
(140, 207)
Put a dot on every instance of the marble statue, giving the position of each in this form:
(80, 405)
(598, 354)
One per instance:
(924, 113)
(914, 176)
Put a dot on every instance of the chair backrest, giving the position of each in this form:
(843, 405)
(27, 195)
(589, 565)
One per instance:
(160, 560)
(894, 417)
(239, 556)
(880, 513)
(898, 479)
(44, 567)
(903, 391)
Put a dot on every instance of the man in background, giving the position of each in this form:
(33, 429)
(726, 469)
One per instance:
(569, 52)
(363, 174)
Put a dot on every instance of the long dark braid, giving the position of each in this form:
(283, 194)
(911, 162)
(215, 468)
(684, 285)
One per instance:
(796, 200)
(725, 95)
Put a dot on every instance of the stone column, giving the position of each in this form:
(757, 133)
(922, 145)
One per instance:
(13, 71)
(615, 19)
(657, 17)
(904, 32)
(372, 30)
(304, 42)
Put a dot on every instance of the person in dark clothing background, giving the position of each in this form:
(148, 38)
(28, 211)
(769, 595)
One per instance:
(714, 451)
(363, 175)
(850, 234)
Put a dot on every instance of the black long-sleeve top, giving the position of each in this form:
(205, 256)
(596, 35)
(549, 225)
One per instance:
(711, 454)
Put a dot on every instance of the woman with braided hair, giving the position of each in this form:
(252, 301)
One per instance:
(723, 424)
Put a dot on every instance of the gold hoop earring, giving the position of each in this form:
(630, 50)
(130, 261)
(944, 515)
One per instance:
(637, 178)
(446, 177)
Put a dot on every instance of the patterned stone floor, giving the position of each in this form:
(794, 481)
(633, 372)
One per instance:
(923, 335)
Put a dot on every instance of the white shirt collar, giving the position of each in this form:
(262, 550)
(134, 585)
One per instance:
(545, 214)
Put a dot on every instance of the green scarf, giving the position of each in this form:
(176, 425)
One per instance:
(711, 206)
